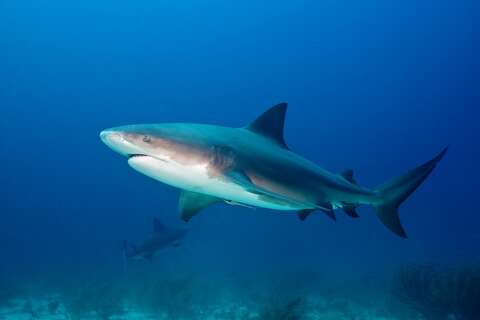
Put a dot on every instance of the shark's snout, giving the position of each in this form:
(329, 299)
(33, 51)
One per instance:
(115, 139)
(109, 136)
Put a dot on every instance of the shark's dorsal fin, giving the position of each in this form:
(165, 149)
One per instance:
(348, 175)
(190, 203)
(158, 227)
(270, 124)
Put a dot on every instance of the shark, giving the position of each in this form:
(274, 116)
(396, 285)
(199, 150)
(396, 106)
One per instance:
(253, 166)
(162, 237)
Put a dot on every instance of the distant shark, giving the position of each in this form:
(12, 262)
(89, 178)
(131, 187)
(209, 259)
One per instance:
(161, 238)
(253, 166)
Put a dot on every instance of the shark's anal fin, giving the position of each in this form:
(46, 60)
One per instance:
(190, 203)
(158, 227)
(303, 214)
(270, 124)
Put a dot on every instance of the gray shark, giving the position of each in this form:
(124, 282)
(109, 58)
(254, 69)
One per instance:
(253, 166)
(161, 238)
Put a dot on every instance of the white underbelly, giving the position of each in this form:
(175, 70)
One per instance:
(196, 178)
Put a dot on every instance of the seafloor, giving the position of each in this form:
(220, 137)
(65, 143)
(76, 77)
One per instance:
(317, 308)
(418, 292)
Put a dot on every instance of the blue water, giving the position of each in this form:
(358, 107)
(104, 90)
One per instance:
(378, 87)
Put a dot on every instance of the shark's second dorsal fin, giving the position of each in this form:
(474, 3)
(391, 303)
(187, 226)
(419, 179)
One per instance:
(270, 124)
(158, 227)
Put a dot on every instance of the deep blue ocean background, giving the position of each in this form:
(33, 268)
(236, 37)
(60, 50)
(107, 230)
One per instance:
(376, 86)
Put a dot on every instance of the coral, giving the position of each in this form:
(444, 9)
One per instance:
(440, 293)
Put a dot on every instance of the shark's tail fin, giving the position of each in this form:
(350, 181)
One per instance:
(395, 191)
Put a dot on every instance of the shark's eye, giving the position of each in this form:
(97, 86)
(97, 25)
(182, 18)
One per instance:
(146, 139)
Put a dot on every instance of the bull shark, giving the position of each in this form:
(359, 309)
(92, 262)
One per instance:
(253, 166)
(161, 238)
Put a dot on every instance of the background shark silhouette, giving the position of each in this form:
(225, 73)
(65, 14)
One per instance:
(161, 238)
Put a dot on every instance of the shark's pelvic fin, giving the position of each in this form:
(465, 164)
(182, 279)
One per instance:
(270, 124)
(327, 208)
(158, 227)
(395, 191)
(330, 214)
(190, 203)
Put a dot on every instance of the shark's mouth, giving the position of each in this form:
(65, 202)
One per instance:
(141, 155)
(130, 156)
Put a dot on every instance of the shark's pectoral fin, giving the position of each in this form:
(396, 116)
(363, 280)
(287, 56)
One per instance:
(303, 214)
(190, 203)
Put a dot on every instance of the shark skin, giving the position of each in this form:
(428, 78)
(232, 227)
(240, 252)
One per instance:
(161, 238)
(253, 166)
